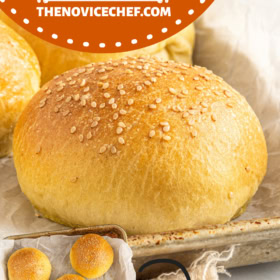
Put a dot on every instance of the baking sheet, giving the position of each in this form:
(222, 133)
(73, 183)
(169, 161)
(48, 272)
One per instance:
(58, 247)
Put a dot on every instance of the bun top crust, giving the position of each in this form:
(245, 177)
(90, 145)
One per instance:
(141, 138)
(29, 264)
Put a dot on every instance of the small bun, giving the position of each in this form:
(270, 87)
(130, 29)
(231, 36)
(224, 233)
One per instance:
(20, 80)
(91, 256)
(71, 277)
(147, 144)
(29, 264)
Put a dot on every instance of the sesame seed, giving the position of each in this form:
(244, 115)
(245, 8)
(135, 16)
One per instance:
(181, 78)
(185, 91)
(102, 105)
(104, 78)
(147, 83)
(227, 93)
(102, 70)
(94, 124)
(191, 122)
(213, 117)
(185, 115)
(120, 86)
(199, 88)
(166, 128)
(158, 100)
(111, 101)
(81, 137)
(172, 90)
(230, 195)
(166, 138)
(83, 102)
(56, 109)
(204, 105)
(113, 150)
(122, 92)
(65, 113)
(103, 149)
(196, 78)
(77, 97)
(123, 112)
(139, 88)
(42, 104)
(152, 106)
(121, 124)
(119, 130)
(130, 102)
(68, 99)
(193, 133)
(83, 83)
(247, 168)
(121, 141)
(82, 70)
(73, 129)
(114, 106)
(97, 119)
(152, 133)
(193, 112)
(72, 83)
(164, 123)
(48, 91)
(89, 135)
(86, 89)
(38, 150)
(115, 116)
(105, 85)
(153, 79)
(74, 180)
(107, 95)
(60, 88)
(216, 93)
(229, 105)
(93, 104)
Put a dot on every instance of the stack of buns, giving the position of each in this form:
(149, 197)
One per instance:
(147, 144)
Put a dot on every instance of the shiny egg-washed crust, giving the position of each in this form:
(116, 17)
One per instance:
(71, 277)
(149, 145)
(29, 264)
(91, 256)
(55, 60)
(19, 81)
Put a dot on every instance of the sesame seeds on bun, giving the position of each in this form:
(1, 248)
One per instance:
(147, 144)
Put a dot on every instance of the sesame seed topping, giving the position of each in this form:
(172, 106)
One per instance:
(73, 129)
(166, 137)
(181, 78)
(115, 116)
(121, 141)
(204, 104)
(185, 91)
(114, 106)
(107, 95)
(104, 78)
(229, 105)
(103, 149)
(119, 130)
(60, 88)
(199, 88)
(164, 123)
(166, 128)
(111, 101)
(77, 97)
(130, 102)
(83, 102)
(83, 83)
(227, 93)
(122, 92)
(185, 115)
(123, 112)
(191, 122)
(139, 88)
(68, 99)
(65, 113)
(196, 78)
(213, 117)
(172, 90)
(42, 104)
(94, 124)
(158, 100)
(247, 168)
(72, 83)
(102, 70)
(113, 150)
(152, 106)
(87, 89)
(105, 85)
(152, 133)
(89, 135)
(153, 79)
(102, 105)
(56, 109)
(193, 133)
(120, 86)
(48, 91)
(81, 137)
(93, 104)
(121, 124)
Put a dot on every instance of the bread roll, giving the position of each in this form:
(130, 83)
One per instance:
(148, 145)
(19, 81)
(71, 277)
(91, 256)
(29, 264)
(55, 60)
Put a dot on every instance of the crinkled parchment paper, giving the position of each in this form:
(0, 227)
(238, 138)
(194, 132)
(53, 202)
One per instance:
(240, 41)
(57, 248)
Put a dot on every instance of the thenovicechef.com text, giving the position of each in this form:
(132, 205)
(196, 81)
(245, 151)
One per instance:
(104, 11)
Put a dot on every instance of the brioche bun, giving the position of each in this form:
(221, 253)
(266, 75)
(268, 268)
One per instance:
(29, 264)
(19, 81)
(55, 60)
(149, 145)
(91, 256)
(71, 277)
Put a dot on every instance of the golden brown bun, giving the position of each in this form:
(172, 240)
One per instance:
(91, 256)
(55, 60)
(29, 264)
(19, 81)
(71, 277)
(179, 149)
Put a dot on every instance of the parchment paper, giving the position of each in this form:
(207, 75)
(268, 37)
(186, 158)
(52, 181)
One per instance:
(57, 248)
